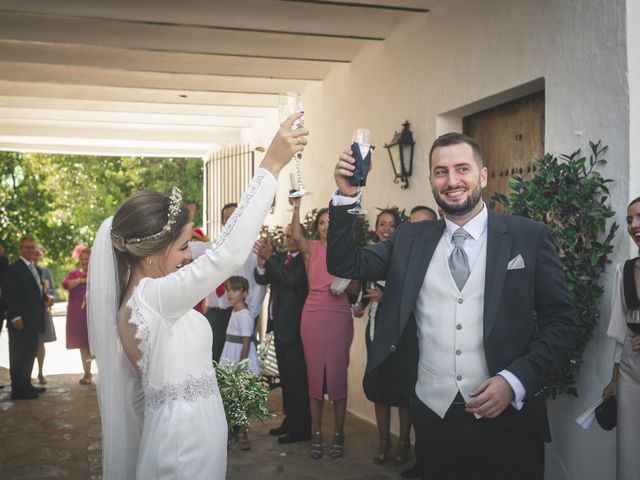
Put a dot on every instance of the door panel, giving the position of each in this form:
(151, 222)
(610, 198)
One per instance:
(511, 137)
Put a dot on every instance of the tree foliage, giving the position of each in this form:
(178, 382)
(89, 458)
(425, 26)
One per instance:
(62, 199)
(571, 197)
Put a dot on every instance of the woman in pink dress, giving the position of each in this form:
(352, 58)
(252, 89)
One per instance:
(327, 331)
(77, 337)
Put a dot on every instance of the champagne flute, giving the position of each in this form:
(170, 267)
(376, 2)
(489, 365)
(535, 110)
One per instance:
(288, 104)
(362, 141)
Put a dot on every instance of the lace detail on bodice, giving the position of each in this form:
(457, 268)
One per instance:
(190, 389)
(142, 336)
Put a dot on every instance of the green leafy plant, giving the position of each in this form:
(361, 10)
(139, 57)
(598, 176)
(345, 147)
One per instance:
(273, 235)
(571, 197)
(243, 394)
(62, 199)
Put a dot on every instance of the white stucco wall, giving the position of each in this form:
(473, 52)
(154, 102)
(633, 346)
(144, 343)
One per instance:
(460, 53)
(633, 59)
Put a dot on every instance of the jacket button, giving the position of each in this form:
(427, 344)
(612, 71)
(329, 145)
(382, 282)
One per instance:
(392, 348)
(460, 301)
(459, 377)
(459, 326)
(458, 352)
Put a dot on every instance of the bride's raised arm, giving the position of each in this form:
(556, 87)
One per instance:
(173, 295)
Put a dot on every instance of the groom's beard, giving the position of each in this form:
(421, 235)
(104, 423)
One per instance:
(458, 210)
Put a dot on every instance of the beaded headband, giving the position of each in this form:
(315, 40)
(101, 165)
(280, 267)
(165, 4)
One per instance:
(175, 206)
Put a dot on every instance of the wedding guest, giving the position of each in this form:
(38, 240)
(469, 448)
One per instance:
(240, 339)
(25, 314)
(326, 331)
(421, 213)
(625, 380)
(76, 283)
(286, 274)
(219, 310)
(240, 342)
(380, 386)
(49, 333)
(4, 266)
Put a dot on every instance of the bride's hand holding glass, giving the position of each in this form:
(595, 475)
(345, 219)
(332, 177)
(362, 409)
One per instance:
(285, 145)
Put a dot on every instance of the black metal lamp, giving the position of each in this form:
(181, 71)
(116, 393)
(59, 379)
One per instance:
(400, 150)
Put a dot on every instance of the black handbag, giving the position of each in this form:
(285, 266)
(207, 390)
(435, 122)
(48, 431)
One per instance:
(607, 413)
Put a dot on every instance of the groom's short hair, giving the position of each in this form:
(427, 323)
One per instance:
(456, 138)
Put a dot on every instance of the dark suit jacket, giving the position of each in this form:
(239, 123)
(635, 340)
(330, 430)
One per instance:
(529, 318)
(24, 298)
(4, 266)
(289, 290)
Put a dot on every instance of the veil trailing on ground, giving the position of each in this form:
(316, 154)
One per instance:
(120, 393)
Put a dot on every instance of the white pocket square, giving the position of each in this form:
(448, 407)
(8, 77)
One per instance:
(516, 263)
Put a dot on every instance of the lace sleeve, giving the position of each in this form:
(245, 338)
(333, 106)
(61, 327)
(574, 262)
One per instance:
(175, 294)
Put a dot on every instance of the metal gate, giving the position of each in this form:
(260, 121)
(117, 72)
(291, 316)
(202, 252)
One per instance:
(227, 174)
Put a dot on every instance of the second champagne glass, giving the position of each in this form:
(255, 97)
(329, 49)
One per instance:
(288, 104)
(361, 148)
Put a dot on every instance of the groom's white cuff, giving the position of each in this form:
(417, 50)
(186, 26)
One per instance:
(338, 200)
(516, 385)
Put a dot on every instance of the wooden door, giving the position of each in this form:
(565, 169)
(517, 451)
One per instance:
(511, 137)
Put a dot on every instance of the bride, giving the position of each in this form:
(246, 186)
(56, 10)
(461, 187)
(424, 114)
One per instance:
(161, 411)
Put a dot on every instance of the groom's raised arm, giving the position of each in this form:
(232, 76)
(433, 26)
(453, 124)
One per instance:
(344, 258)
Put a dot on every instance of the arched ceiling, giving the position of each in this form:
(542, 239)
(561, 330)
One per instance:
(166, 77)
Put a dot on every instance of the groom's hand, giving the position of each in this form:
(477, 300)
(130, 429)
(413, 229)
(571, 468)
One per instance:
(490, 398)
(343, 171)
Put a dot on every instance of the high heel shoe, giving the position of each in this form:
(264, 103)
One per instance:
(402, 454)
(316, 445)
(337, 447)
(383, 453)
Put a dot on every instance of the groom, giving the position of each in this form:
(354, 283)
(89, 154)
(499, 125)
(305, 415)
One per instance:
(477, 311)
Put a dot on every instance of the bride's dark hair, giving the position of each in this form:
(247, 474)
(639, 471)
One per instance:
(142, 215)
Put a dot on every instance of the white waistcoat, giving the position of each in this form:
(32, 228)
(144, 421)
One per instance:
(450, 332)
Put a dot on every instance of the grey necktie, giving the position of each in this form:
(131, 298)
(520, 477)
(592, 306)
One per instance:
(458, 262)
(36, 277)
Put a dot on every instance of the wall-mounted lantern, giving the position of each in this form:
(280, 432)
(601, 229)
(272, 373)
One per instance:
(400, 150)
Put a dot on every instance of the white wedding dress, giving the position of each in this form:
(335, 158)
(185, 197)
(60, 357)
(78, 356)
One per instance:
(184, 434)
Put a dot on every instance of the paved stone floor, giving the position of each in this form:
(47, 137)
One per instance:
(58, 437)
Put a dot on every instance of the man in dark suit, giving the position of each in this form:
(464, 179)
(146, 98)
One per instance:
(25, 317)
(4, 266)
(288, 278)
(478, 311)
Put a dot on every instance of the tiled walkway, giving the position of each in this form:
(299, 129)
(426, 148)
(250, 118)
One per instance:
(58, 437)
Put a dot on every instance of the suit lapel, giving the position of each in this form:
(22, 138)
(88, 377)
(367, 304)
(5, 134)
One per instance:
(27, 274)
(418, 259)
(499, 242)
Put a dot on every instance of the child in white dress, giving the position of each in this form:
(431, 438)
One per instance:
(240, 342)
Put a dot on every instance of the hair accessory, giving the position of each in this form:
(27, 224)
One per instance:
(118, 242)
(175, 206)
